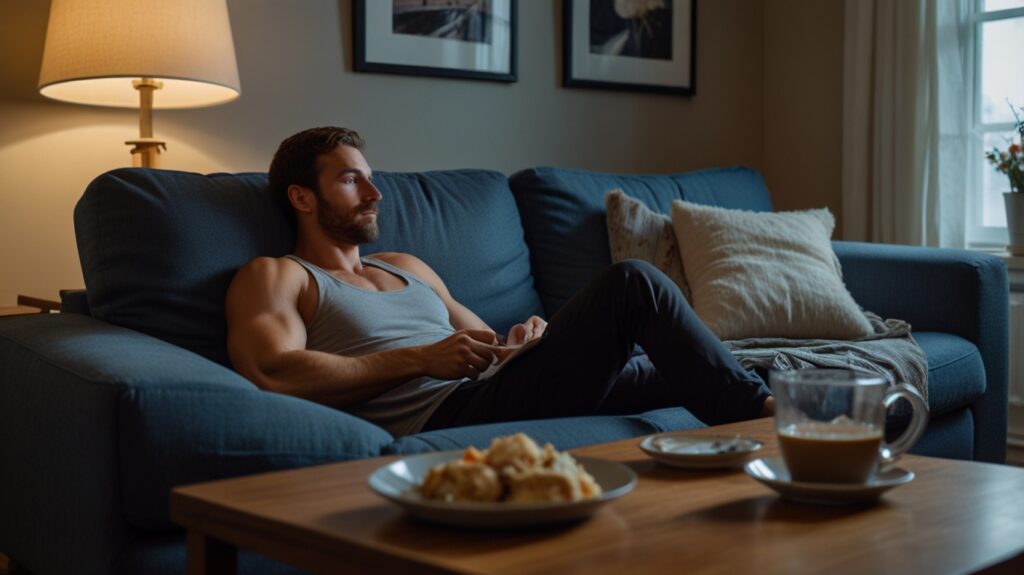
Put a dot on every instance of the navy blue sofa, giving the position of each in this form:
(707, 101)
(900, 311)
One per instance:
(106, 407)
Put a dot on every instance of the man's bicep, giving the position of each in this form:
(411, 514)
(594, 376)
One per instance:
(263, 319)
(257, 339)
(462, 317)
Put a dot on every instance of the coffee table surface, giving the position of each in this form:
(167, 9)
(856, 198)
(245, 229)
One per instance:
(954, 517)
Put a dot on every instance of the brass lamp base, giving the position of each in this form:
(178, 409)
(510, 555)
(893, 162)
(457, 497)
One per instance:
(146, 152)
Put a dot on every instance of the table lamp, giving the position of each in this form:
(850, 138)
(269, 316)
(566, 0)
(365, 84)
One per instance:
(145, 53)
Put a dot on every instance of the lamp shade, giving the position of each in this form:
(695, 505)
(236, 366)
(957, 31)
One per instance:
(95, 48)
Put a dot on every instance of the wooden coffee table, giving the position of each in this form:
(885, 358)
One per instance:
(955, 517)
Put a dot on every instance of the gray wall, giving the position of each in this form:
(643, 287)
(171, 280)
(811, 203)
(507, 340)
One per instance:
(295, 61)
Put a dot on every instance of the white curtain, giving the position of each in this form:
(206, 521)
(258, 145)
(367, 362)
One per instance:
(905, 121)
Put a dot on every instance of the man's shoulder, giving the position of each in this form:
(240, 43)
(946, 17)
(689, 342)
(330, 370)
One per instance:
(273, 270)
(269, 264)
(398, 259)
(415, 266)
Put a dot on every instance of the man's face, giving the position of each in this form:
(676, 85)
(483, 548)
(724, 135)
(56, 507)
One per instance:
(347, 203)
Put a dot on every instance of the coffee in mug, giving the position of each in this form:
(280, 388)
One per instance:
(831, 424)
(844, 452)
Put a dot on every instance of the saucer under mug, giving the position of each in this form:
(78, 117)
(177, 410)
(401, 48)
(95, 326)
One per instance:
(772, 472)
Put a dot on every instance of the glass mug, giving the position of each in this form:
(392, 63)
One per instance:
(831, 423)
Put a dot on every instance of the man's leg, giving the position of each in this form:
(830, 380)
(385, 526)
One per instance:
(591, 338)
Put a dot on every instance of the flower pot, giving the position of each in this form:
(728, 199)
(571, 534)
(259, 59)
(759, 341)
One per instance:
(1015, 221)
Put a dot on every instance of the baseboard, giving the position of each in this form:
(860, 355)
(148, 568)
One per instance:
(1015, 433)
(1015, 450)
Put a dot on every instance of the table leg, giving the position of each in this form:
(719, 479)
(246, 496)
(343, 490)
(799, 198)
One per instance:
(209, 556)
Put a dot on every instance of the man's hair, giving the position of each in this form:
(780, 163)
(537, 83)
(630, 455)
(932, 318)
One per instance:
(295, 159)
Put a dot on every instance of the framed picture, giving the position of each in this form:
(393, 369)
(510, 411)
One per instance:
(640, 45)
(449, 38)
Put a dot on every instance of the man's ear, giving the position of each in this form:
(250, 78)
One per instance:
(302, 198)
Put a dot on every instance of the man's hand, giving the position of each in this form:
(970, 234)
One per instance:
(465, 353)
(526, 331)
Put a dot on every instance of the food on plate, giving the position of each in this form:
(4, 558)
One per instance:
(517, 451)
(514, 469)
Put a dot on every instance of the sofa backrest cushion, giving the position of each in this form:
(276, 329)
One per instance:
(158, 248)
(563, 214)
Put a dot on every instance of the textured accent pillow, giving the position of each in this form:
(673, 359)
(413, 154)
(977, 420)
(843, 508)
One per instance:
(637, 232)
(765, 274)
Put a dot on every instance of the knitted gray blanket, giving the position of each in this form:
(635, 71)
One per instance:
(890, 351)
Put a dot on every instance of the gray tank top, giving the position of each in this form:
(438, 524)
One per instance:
(352, 321)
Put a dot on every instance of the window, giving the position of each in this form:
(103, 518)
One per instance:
(998, 81)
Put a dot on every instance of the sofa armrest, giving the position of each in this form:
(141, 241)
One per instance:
(946, 290)
(74, 301)
(99, 423)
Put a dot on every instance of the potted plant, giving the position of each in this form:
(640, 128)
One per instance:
(1011, 163)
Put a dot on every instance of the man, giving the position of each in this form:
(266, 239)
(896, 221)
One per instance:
(382, 338)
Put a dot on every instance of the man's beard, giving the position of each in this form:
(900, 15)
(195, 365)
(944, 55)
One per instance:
(349, 229)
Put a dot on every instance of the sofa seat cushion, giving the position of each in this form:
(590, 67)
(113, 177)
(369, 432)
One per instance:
(563, 433)
(173, 435)
(563, 215)
(956, 375)
(950, 435)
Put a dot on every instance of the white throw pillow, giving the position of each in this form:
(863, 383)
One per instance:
(637, 232)
(765, 274)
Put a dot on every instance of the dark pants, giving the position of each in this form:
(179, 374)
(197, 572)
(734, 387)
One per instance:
(585, 364)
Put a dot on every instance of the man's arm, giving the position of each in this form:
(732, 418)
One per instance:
(267, 340)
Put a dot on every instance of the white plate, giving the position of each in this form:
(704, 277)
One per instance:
(772, 472)
(683, 449)
(396, 480)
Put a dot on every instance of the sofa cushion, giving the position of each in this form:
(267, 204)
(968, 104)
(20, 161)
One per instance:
(159, 248)
(767, 274)
(638, 232)
(564, 433)
(956, 374)
(185, 433)
(563, 215)
(950, 435)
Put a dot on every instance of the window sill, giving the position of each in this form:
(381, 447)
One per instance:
(1012, 262)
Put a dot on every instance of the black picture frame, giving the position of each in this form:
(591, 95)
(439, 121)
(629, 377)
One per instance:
(653, 60)
(379, 47)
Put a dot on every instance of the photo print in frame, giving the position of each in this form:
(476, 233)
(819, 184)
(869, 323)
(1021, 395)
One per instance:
(473, 39)
(636, 45)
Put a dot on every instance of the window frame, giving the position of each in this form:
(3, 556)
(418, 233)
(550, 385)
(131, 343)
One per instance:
(978, 234)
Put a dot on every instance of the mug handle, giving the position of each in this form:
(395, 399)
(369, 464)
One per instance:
(890, 452)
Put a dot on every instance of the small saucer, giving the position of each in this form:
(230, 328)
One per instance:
(772, 472)
(688, 451)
